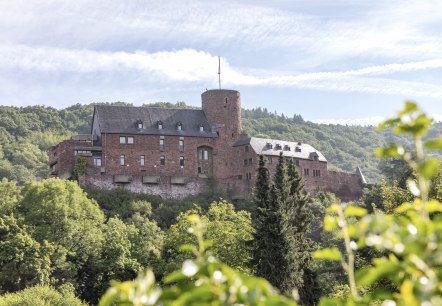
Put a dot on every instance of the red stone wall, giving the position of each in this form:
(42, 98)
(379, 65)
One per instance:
(63, 157)
(149, 146)
(346, 186)
(223, 108)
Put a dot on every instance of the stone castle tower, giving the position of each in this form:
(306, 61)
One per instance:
(222, 108)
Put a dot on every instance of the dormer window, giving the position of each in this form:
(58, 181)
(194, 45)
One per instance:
(278, 146)
(179, 126)
(314, 156)
(286, 148)
(160, 125)
(140, 124)
(201, 128)
(297, 149)
(299, 143)
(269, 145)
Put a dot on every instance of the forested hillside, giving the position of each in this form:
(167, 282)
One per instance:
(27, 133)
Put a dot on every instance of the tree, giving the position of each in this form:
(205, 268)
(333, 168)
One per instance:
(282, 251)
(79, 168)
(41, 296)
(300, 246)
(10, 195)
(59, 212)
(23, 261)
(269, 249)
(228, 230)
(116, 261)
(406, 241)
(267, 235)
(199, 281)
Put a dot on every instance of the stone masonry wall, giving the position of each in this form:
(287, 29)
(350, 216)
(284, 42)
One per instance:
(149, 146)
(63, 158)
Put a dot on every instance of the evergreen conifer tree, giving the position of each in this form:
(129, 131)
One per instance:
(298, 217)
(282, 252)
(268, 238)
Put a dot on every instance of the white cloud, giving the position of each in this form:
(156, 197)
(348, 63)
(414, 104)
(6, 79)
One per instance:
(368, 121)
(382, 30)
(356, 121)
(190, 65)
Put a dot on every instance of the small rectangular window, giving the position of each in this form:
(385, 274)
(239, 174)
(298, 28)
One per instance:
(122, 160)
(130, 140)
(245, 162)
(250, 161)
(181, 145)
(246, 148)
(122, 139)
(181, 161)
(162, 144)
(297, 162)
(269, 160)
(97, 161)
(306, 172)
(162, 160)
(203, 154)
(201, 128)
(141, 160)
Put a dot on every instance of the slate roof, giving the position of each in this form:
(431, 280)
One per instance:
(260, 146)
(123, 120)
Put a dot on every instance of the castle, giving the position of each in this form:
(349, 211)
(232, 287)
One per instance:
(179, 152)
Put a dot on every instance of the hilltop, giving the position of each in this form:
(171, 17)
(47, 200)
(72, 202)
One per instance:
(26, 134)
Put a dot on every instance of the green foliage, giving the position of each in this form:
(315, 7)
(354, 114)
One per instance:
(282, 252)
(40, 296)
(79, 168)
(122, 203)
(202, 281)
(10, 195)
(408, 241)
(228, 229)
(51, 233)
(24, 262)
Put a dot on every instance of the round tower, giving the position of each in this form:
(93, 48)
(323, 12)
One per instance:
(223, 110)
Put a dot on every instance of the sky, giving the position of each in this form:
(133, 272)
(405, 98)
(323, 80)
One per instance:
(341, 61)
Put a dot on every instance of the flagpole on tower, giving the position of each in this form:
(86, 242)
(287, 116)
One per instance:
(219, 72)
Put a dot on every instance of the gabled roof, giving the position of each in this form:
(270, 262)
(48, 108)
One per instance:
(260, 146)
(123, 120)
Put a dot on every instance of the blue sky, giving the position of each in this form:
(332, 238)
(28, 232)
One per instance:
(336, 61)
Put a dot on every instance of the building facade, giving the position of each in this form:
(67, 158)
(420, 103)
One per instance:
(180, 152)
